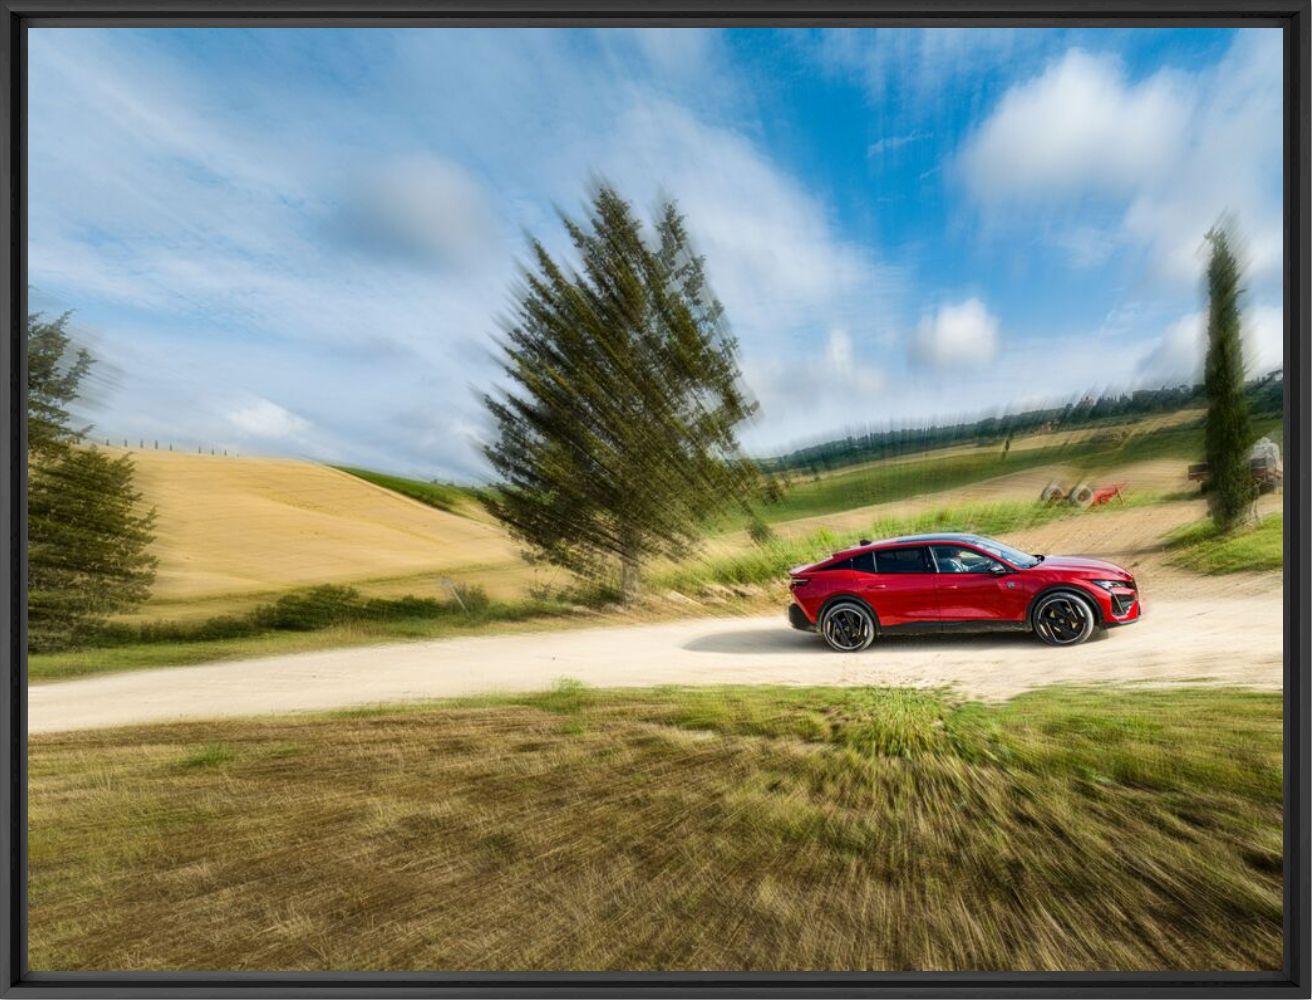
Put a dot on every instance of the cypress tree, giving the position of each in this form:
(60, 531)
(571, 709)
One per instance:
(1228, 432)
(616, 437)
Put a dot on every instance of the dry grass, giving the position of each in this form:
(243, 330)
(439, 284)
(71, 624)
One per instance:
(254, 526)
(750, 828)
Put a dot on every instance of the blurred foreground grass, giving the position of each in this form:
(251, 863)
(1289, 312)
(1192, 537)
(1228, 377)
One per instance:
(717, 828)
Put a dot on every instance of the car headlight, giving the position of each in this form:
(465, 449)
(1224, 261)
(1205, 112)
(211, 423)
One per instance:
(1111, 584)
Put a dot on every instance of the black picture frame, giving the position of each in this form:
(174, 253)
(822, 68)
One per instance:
(1294, 17)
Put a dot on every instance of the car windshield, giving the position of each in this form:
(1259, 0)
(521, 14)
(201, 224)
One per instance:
(1014, 556)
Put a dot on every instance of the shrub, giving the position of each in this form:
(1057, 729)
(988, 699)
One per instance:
(760, 532)
(307, 611)
(473, 597)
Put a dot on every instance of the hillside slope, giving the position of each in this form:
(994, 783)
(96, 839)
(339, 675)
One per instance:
(243, 526)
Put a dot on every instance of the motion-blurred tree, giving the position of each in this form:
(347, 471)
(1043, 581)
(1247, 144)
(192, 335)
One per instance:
(1228, 433)
(616, 440)
(54, 371)
(88, 538)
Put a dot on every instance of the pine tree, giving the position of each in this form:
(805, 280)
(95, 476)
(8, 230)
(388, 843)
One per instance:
(88, 538)
(1228, 433)
(54, 372)
(616, 439)
(88, 544)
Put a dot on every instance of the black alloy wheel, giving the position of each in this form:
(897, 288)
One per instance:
(848, 627)
(1064, 619)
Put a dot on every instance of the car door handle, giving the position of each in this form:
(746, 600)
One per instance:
(879, 586)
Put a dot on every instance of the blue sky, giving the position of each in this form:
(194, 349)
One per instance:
(299, 241)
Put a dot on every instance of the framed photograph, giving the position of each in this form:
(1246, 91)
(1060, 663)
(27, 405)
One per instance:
(748, 499)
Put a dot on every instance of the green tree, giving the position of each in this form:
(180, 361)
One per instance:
(88, 537)
(1228, 432)
(616, 437)
(55, 369)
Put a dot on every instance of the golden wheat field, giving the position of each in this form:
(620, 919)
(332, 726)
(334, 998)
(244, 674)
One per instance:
(240, 527)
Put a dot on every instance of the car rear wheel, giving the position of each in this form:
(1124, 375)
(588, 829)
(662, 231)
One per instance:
(1064, 619)
(847, 626)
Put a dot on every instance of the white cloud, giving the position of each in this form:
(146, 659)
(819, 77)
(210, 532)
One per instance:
(845, 370)
(1166, 155)
(1178, 354)
(956, 335)
(1079, 126)
(263, 418)
(674, 51)
(1264, 339)
(773, 254)
(424, 208)
(819, 391)
(928, 65)
(272, 229)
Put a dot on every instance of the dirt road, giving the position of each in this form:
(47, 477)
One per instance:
(1236, 640)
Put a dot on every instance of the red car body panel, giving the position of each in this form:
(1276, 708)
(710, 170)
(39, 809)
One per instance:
(939, 600)
(971, 597)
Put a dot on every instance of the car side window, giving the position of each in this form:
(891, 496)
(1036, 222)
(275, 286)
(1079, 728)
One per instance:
(908, 560)
(956, 559)
(863, 563)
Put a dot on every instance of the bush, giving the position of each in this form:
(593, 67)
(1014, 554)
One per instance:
(211, 629)
(760, 532)
(308, 611)
(473, 597)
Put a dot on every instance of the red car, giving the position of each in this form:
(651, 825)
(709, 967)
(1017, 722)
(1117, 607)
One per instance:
(956, 582)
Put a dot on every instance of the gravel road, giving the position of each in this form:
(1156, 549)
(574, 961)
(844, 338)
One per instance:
(1233, 640)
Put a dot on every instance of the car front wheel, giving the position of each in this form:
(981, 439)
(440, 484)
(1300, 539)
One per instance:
(848, 626)
(1064, 619)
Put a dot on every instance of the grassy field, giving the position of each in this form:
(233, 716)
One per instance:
(771, 560)
(1201, 548)
(236, 531)
(749, 828)
(443, 496)
(888, 480)
(236, 534)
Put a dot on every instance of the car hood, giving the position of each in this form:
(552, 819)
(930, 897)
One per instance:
(1081, 563)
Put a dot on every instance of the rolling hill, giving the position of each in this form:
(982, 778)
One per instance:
(234, 531)
(232, 528)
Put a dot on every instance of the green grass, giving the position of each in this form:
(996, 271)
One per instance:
(768, 561)
(210, 755)
(444, 496)
(494, 617)
(898, 479)
(1201, 548)
(712, 828)
(886, 481)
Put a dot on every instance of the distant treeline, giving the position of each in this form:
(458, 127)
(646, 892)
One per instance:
(1265, 395)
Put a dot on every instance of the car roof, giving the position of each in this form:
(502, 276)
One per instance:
(940, 536)
(937, 536)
